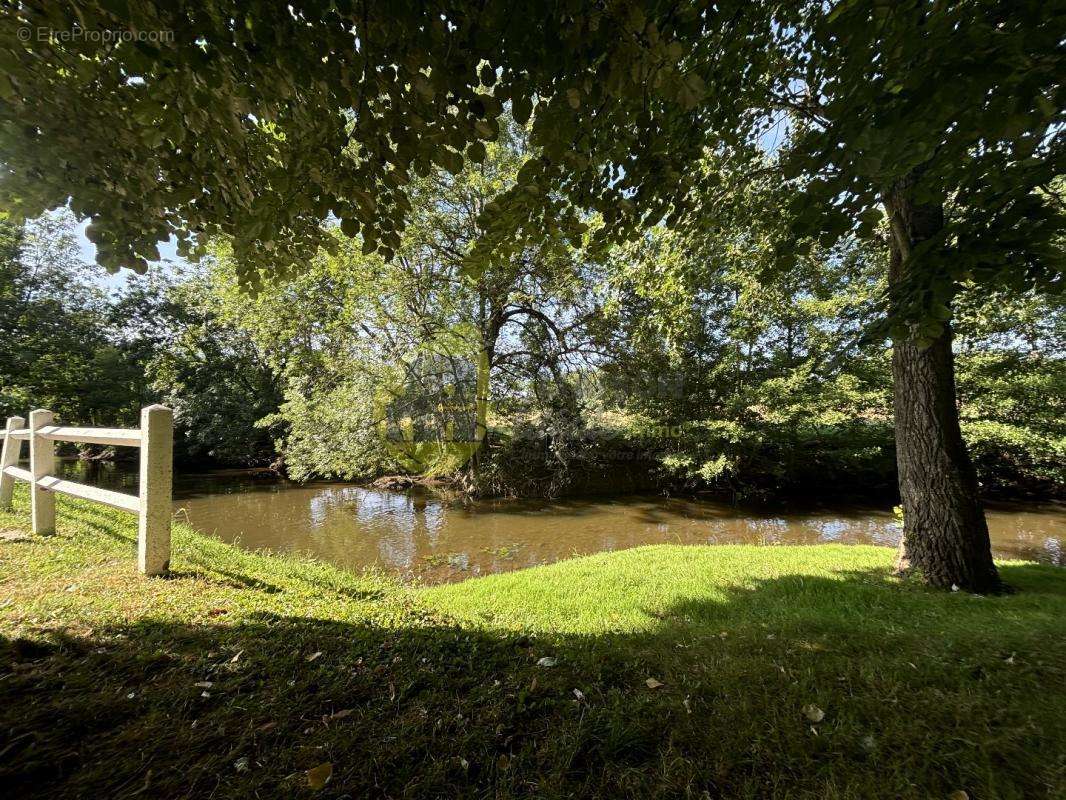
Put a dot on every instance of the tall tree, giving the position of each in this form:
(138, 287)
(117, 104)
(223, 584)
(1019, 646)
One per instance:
(57, 346)
(427, 338)
(258, 119)
(943, 115)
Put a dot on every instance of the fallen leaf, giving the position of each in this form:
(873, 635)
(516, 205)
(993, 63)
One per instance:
(319, 776)
(216, 612)
(958, 794)
(813, 713)
(547, 661)
(464, 763)
(654, 684)
(266, 726)
(344, 712)
(241, 764)
(313, 656)
(203, 684)
(580, 695)
(503, 762)
(234, 659)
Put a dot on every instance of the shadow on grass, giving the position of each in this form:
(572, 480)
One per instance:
(923, 694)
(97, 522)
(224, 578)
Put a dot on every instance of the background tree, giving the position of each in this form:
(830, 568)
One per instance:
(1011, 370)
(429, 344)
(771, 376)
(773, 386)
(56, 340)
(220, 385)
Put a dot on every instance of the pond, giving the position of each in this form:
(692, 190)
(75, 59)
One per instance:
(431, 537)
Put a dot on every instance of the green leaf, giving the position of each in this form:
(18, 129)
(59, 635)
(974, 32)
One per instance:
(476, 152)
(521, 109)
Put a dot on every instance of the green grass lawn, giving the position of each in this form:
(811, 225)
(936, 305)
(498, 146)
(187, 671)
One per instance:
(774, 672)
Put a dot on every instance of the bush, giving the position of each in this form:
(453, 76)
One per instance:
(760, 459)
(555, 460)
(332, 434)
(1015, 459)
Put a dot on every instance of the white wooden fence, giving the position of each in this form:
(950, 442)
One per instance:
(155, 438)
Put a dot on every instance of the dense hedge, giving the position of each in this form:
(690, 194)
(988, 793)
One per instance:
(761, 460)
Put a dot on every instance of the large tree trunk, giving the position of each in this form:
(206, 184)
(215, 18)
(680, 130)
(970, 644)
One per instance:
(945, 536)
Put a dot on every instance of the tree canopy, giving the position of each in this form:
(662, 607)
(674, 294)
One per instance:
(259, 119)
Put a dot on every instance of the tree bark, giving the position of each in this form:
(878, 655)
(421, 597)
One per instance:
(481, 399)
(945, 536)
(490, 332)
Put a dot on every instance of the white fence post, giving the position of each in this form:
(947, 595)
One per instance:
(157, 467)
(42, 464)
(9, 458)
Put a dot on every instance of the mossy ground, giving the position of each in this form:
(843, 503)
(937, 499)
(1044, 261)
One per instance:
(241, 672)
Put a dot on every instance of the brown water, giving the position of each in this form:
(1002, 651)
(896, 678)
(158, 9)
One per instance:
(433, 538)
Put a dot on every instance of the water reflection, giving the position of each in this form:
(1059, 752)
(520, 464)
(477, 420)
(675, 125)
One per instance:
(436, 538)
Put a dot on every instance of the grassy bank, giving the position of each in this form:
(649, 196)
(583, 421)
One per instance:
(240, 673)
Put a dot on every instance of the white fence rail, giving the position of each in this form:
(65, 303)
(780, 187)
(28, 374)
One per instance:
(155, 438)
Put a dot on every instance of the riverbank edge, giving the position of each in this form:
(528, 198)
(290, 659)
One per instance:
(736, 670)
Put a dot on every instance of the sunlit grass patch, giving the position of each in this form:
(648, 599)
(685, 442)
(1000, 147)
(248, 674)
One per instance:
(642, 588)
